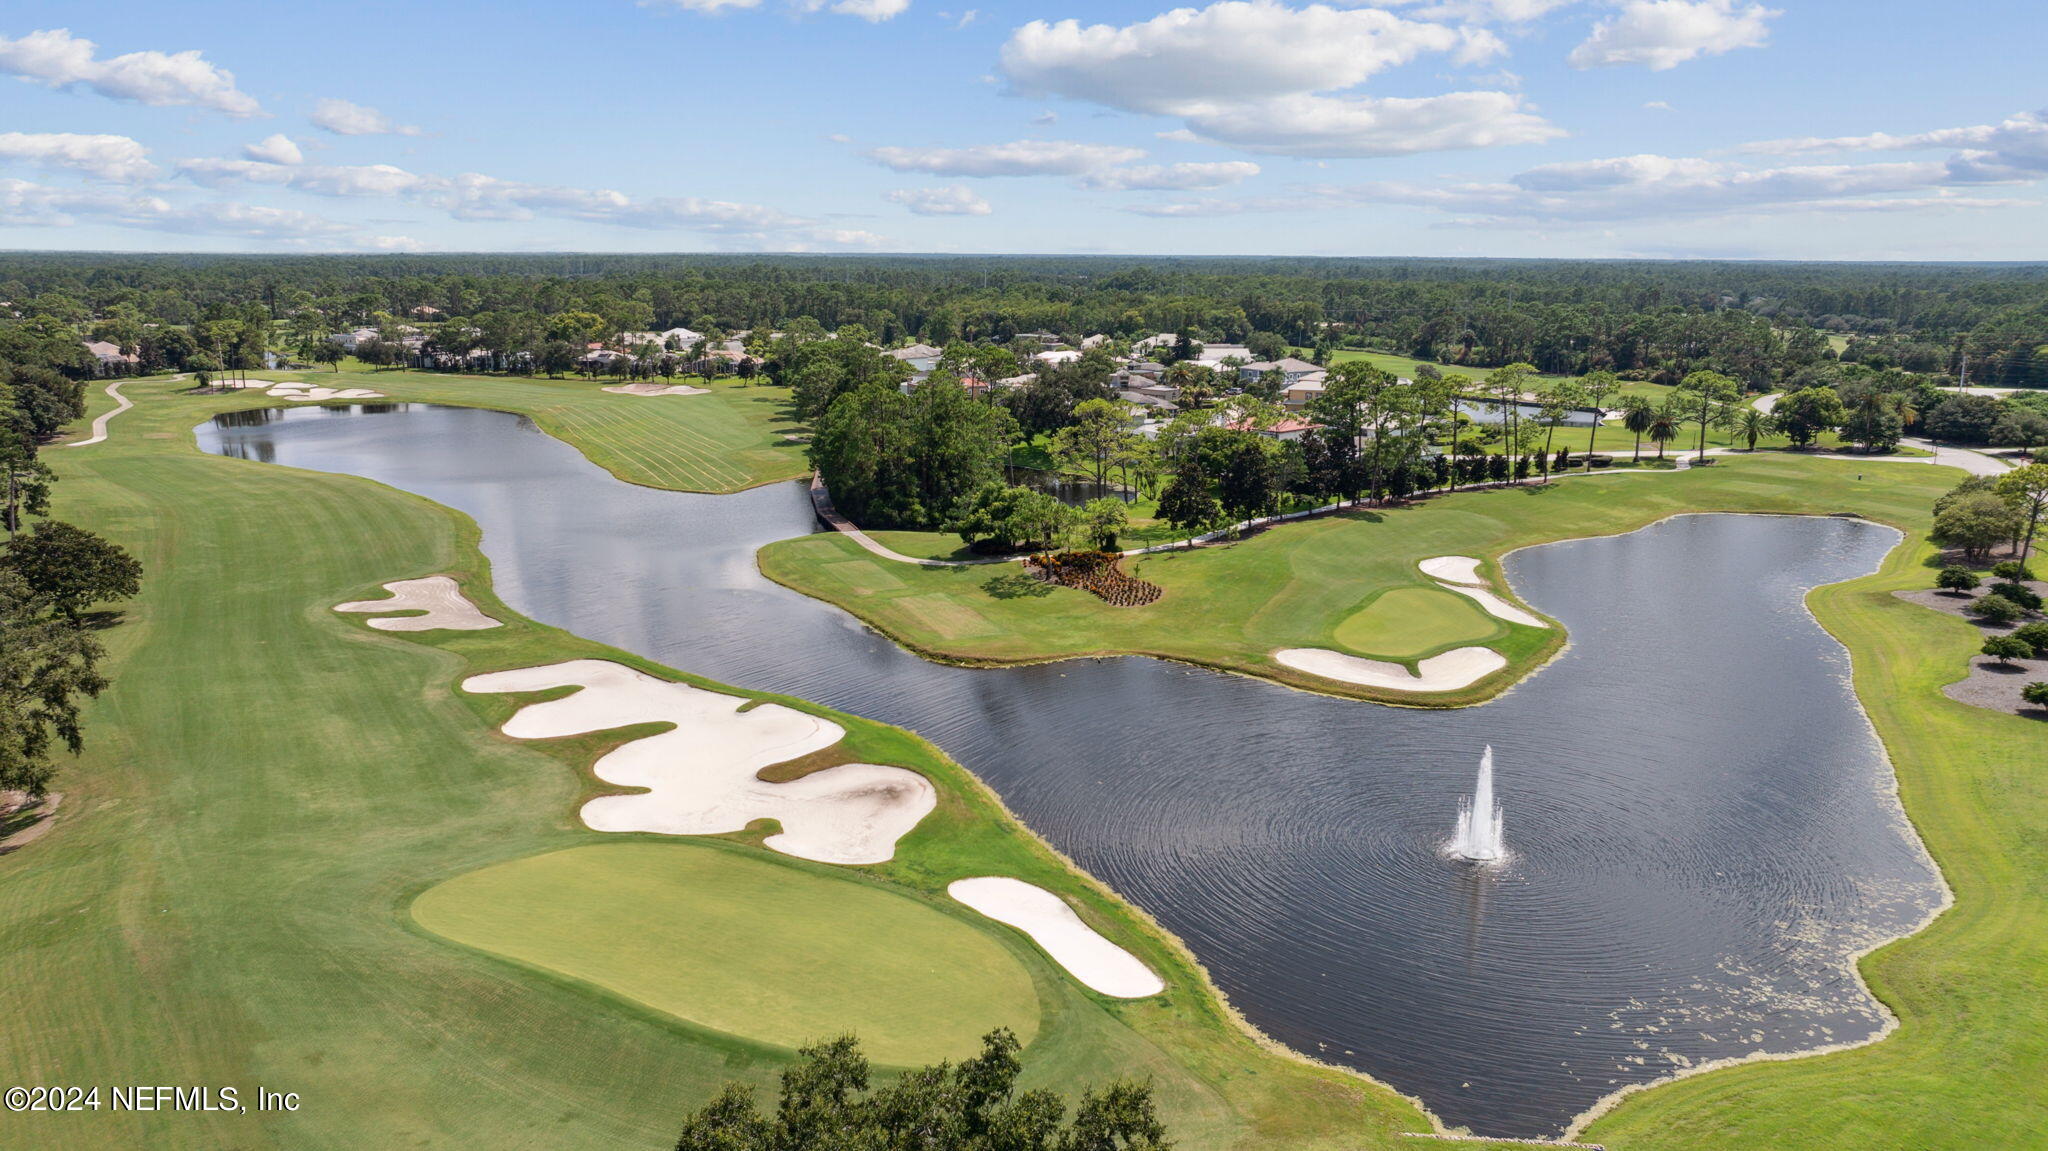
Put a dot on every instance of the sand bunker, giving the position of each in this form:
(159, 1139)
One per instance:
(701, 776)
(1453, 569)
(303, 392)
(1046, 918)
(646, 389)
(440, 597)
(1461, 574)
(1496, 606)
(1455, 669)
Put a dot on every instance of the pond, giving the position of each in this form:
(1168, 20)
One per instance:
(1492, 412)
(1702, 821)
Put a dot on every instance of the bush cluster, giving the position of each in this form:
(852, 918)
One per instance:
(1099, 573)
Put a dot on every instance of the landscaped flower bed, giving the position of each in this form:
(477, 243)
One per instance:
(1098, 572)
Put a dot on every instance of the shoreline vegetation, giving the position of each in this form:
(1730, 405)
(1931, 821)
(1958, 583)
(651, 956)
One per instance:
(1969, 781)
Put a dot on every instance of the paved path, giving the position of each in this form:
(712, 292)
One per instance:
(1767, 404)
(821, 502)
(1974, 462)
(99, 426)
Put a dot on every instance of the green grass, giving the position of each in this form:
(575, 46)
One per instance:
(1232, 606)
(268, 786)
(744, 947)
(732, 438)
(1408, 623)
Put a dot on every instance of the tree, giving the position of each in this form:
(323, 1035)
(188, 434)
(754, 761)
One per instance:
(827, 1104)
(1597, 387)
(1186, 504)
(2012, 570)
(46, 663)
(1702, 392)
(1752, 425)
(1976, 522)
(2006, 649)
(1803, 415)
(1558, 400)
(1245, 478)
(2027, 490)
(325, 352)
(1095, 437)
(70, 568)
(1958, 580)
(1102, 519)
(2036, 693)
(1994, 609)
(1006, 518)
(1637, 414)
(24, 479)
(1664, 427)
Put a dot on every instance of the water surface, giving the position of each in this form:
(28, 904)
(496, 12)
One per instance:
(1701, 817)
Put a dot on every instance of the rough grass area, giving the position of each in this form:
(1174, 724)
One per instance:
(268, 786)
(1408, 623)
(745, 947)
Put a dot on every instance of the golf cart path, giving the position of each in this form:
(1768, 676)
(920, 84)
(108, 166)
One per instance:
(99, 426)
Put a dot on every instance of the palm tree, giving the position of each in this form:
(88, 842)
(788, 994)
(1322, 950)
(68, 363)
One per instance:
(1752, 425)
(1637, 415)
(1664, 427)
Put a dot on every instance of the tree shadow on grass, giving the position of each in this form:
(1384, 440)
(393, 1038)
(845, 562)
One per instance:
(1016, 585)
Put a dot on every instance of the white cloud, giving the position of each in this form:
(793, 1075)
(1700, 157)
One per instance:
(116, 159)
(1662, 34)
(704, 5)
(345, 118)
(2015, 148)
(472, 196)
(24, 203)
(276, 148)
(1018, 158)
(1657, 106)
(57, 59)
(1491, 11)
(1172, 177)
(1265, 77)
(872, 11)
(952, 200)
(1364, 126)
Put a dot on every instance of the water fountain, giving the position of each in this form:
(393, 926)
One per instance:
(1478, 838)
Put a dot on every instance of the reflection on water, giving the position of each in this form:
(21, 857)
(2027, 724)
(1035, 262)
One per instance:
(1702, 824)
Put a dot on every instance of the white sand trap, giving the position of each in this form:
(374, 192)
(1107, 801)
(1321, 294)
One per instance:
(304, 392)
(1453, 569)
(646, 389)
(701, 776)
(1455, 669)
(247, 384)
(1046, 918)
(1496, 606)
(440, 597)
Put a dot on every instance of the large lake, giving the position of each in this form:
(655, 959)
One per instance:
(1702, 820)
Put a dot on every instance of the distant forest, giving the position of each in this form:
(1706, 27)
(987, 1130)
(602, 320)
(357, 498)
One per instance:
(1757, 322)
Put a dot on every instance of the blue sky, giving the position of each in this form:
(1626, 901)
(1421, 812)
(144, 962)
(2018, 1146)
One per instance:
(1799, 129)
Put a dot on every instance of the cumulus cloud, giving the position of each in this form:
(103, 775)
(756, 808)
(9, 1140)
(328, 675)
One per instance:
(952, 200)
(276, 148)
(1491, 11)
(57, 59)
(1265, 77)
(1172, 177)
(1662, 34)
(1018, 158)
(116, 159)
(2014, 148)
(346, 118)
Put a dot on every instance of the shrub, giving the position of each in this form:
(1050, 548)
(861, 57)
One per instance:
(2020, 594)
(1098, 573)
(2034, 635)
(1957, 579)
(2006, 649)
(2035, 693)
(1995, 609)
(1600, 461)
(2012, 570)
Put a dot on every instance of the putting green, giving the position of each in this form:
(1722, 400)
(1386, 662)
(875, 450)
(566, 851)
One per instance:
(741, 945)
(1410, 622)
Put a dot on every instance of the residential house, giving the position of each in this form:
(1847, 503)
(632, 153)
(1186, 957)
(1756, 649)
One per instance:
(1290, 369)
(112, 360)
(1288, 428)
(427, 312)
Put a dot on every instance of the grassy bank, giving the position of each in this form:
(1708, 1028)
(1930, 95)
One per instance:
(227, 895)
